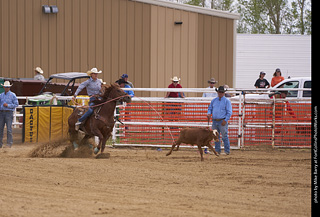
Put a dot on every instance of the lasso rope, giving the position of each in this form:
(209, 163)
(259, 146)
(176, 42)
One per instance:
(145, 103)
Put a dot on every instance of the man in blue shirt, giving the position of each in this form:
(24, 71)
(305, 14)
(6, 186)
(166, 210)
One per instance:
(8, 102)
(220, 109)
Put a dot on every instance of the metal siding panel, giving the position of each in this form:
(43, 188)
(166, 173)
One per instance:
(60, 37)
(130, 42)
(229, 62)
(84, 35)
(138, 44)
(123, 37)
(176, 40)
(215, 50)
(146, 34)
(67, 36)
(184, 35)
(52, 42)
(107, 52)
(207, 49)
(169, 46)
(76, 33)
(5, 38)
(21, 40)
(13, 39)
(153, 48)
(222, 51)
(92, 34)
(192, 49)
(115, 40)
(161, 62)
(99, 36)
(200, 62)
(37, 14)
(28, 42)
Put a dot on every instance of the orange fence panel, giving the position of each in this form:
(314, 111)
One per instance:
(161, 124)
(276, 123)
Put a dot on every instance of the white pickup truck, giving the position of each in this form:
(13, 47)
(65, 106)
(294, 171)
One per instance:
(298, 82)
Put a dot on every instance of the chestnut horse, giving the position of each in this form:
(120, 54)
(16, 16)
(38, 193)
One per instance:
(101, 122)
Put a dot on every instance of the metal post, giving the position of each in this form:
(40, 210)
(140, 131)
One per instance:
(243, 117)
(273, 120)
(240, 135)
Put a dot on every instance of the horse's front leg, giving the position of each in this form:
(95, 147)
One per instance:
(99, 134)
(104, 140)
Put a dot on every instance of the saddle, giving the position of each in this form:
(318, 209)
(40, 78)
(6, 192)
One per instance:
(96, 114)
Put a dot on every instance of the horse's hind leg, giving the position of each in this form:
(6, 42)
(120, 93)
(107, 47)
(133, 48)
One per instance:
(99, 134)
(74, 138)
(84, 140)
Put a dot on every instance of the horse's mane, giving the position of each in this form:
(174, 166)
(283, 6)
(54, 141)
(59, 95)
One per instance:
(106, 89)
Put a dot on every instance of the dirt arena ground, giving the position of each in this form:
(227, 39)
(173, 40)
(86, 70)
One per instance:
(144, 182)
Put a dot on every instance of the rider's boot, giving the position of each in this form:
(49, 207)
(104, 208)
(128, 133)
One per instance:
(77, 125)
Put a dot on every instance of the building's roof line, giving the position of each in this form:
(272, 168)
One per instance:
(196, 9)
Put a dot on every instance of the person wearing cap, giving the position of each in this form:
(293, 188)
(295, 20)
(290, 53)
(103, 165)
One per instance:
(175, 84)
(124, 84)
(277, 78)
(220, 110)
(261, 82)
(211, 82)
(125, 78)
(38, 74)
(93, 86)
(8, 102)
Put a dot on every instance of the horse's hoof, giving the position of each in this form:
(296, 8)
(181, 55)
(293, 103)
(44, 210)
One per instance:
(75, 145)
(95, 150)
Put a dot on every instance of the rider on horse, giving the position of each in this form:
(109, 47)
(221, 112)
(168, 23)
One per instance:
(93, 85)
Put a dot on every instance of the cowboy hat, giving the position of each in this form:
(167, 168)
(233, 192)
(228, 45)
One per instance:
(212, 80)
(6, 84)
(175, 78)
(38, 69)
(221, 89)
(93, 70)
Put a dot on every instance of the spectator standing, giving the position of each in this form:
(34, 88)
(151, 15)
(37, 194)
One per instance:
(261, 82)
(175, 84)
(8, 102)
(220, 109)
(38, 74)
(277, 78)
(211, 82)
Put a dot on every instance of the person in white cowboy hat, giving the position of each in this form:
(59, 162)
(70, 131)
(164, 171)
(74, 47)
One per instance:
(8, 102)
(93, 86)
(38, 74)
(211, 82)
(175, 84)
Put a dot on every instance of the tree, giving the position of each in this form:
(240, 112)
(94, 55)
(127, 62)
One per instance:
(301, 13)
(274, 16)
(252, 16)
(200, 3)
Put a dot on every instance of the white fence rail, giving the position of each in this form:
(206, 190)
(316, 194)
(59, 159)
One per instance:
(240, 101)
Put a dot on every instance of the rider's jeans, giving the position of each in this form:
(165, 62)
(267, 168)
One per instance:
(89, 112)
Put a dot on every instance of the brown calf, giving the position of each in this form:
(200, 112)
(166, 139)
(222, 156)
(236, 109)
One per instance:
(196, 136)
